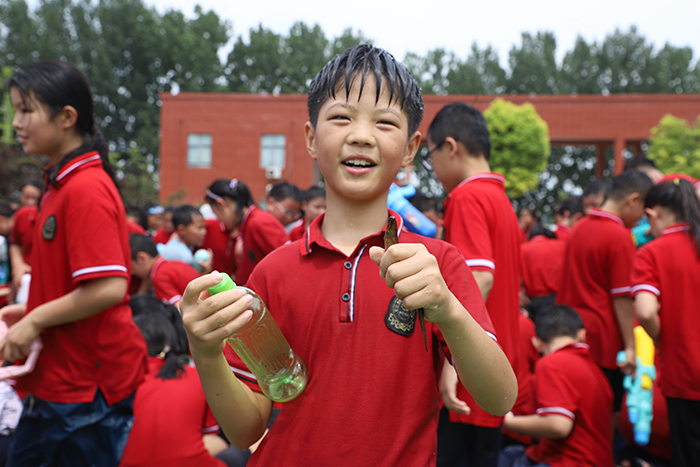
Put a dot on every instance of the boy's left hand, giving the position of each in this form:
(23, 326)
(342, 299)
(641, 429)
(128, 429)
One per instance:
(415, 276)
(19, 336)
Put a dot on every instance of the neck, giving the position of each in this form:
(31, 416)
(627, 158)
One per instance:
(475, 165)
(348, 221)
(558, 343)
(613, 207)
(73, 142)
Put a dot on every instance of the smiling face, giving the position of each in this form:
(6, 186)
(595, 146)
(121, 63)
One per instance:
(361, 144)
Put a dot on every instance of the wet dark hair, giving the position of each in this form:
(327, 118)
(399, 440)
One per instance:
(142, 243)
(161, 326)
(557, 321)
(463, 123)
(363, 61)
(235, 190)
(573, 204)
(680, 197)
(539, 229)
(634, 163)
(139, 214)
(598, 186)
(631, 181)
(56, 84)
(284, 190)
(185, 215)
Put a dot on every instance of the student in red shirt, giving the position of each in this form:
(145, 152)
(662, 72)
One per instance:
(481, 223)
(665, 287)
(568, 213)
(542, 264)
(30, 192)
(372, 394)
(573, 399)
(313, 204)
(168, 278)
(171, 417)
(596, 279)
(649, 167)
(595, 194)
(259, 233)
(284, 203)
(81, 390)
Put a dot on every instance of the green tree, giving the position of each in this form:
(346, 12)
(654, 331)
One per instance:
(137, 178)
(256, 66)
(431, 71)
(533, 68)
(306, 51)
(675, 146)
(347, 40)
(519, 144)
(481, 73)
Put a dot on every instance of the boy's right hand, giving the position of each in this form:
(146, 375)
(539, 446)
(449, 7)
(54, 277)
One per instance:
(210, 319)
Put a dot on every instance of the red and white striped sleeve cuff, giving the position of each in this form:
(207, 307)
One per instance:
(645, 288)
(556, 411)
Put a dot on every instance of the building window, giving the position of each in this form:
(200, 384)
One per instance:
(273, 151)
(198, 150)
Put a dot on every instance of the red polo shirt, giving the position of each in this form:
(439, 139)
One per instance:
(219, 241)
(22, 232)
(372, 396)
(161, 236)
(170, 279)
(481, 223)
(80, 235)
(562, 231)
(570, 384)
(260, 233)
(542, 261)
(597, 267)
(297, 232)
(669, 268)
(170, 417)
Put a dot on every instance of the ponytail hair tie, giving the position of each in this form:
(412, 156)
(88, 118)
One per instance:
(234, 184)
(677, 181)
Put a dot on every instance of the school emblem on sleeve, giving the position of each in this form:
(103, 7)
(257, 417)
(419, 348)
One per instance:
(399, 319)
(48, 232)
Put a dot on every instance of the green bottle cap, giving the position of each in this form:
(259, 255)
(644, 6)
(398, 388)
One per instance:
(225, 284)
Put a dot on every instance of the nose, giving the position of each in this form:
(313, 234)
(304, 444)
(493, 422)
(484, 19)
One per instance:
(362, 133)
(17, 120)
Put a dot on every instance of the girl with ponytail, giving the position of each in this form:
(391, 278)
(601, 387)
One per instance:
(81, 390)
(256, 231)
(666, 290)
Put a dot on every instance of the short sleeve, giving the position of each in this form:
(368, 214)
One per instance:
(95, 230)
(645, 276)
(621, 255)
(210, 425)
(268, 233)
(469, 232)
(554, 392)
(171, 280)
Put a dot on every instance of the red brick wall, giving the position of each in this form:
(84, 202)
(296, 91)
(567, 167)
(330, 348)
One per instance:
(237, 122)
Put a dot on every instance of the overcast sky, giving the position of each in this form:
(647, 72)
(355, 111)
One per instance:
(421, 26)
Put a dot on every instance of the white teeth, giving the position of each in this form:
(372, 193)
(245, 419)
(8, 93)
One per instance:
(359, 162)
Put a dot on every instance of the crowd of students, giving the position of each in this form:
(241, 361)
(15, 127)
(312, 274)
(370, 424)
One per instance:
(525, 323)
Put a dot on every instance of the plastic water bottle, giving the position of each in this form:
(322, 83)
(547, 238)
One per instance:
(281, 374)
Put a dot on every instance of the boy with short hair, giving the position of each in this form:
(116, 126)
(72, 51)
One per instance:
(567, 214)
(595, 194)
(596, 278)
(313, 204)
(191, 231)
(481, 223)
(372, 395)
(168, 278)
(284, 202)
(572, 396)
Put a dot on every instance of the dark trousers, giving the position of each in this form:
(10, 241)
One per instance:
(684, 422)
(463, 445)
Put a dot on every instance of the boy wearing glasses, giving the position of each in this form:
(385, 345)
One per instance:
(481, 223)
(284, 202)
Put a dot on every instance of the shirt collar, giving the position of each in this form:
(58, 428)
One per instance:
(680, 227)
(313, 235)
(155, 266)
(73, 166)
(498, 178)
(563, 227)
(598, 213)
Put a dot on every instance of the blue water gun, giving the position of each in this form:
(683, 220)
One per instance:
(640, 389)
(415, 220)
(641, 233)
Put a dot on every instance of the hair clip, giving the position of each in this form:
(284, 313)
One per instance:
(677, 181)
(213, 195)
(164, 352)
(234, 184)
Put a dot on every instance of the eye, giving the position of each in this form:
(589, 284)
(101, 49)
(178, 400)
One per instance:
(387, 122)
(340, 117)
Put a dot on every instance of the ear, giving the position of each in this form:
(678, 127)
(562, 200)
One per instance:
(537, 344)
(452, 146)
(68, 116)
(633, 198)
(411, 149)
(581, 335)
(310, 138)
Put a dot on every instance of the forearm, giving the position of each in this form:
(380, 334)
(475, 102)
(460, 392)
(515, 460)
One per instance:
(481, 365)
(484, 280)
(646, 308)
(624, 314)
(539, 426)
(242, 414)
(90, 298)
(19, 266)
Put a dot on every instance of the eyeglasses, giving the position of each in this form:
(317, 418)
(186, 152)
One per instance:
(427, 157)
(287, 213)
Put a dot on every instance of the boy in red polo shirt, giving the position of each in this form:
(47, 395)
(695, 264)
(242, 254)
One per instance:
(481, 223)
(372, 394)
(568, 213)
(596, 279)
(168, 278)
(573, 400)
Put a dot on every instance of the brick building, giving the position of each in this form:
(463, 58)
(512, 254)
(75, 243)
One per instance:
(259, 138)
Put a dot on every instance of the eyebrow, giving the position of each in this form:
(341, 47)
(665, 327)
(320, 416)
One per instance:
(349, 106)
